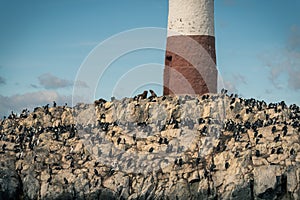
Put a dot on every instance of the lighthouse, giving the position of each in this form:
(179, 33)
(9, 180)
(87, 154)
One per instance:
(190, 61)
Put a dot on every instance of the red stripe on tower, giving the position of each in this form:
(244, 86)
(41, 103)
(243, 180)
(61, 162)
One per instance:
(190, 63)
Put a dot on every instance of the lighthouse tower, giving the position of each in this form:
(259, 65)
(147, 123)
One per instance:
(190, 62)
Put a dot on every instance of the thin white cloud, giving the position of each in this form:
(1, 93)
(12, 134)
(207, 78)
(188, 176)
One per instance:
(231, 87)
(293, 43)
(284, 64)
(49, 81)
(231, 84)
(238, 78)
(268, 91)
(294, 79)
(34, 86)
(2, 80)
(80, 83)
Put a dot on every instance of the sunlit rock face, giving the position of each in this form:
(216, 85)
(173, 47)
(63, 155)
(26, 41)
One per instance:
(184, 147)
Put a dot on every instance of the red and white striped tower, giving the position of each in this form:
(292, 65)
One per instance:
(190, 63)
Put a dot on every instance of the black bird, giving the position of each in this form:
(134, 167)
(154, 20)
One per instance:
(68, 157)
(96, 172)
(248, 145)
(71, 134)
(272, 151)
(248, 110)
(96, 164)
(257, 141)
(277, 138)
(206, 173)
(204, 131)
(153, 95)
(236, 154)
(4, 147)
(176, 124)
(141, 96)
(273, 129)
(255, 134)
(105, 127)
(166, 141)
(247, 125)
(180, 162)
(72, 163)
(292, 152)
(160, 140)
(119, 140)
(49, 180)
(201, 121)
(198, 161)
(232, 101)
(212, 167)
(54, 104)
(223, 91)
(151, 149)
(257, 153)
(66, 181)
(113, 133)
(227, 165)
(284, 130)
(100, 102)
(111, 172)
(279, 150)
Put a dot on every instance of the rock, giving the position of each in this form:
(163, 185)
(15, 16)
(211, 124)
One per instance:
(176, 147)
(10, 184)
(31, 187)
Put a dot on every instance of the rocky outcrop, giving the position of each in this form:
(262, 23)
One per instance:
(205, 147)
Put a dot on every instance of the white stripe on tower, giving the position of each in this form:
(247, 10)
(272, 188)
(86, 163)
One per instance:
(191, 17)
(190, 20)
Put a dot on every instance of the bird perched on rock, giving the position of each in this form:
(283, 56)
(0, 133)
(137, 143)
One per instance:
(152, 96)
(224, 91)
(141, 96)
(99, 102)
(66, 181)
(227, 165)
(273, 129)
(151, 149)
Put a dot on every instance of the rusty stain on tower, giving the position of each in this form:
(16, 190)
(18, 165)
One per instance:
(190, 62)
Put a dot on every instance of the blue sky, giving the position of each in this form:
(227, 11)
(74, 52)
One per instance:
(44, 43)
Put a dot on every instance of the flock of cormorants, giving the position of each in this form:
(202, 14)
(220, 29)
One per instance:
(26, 138)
